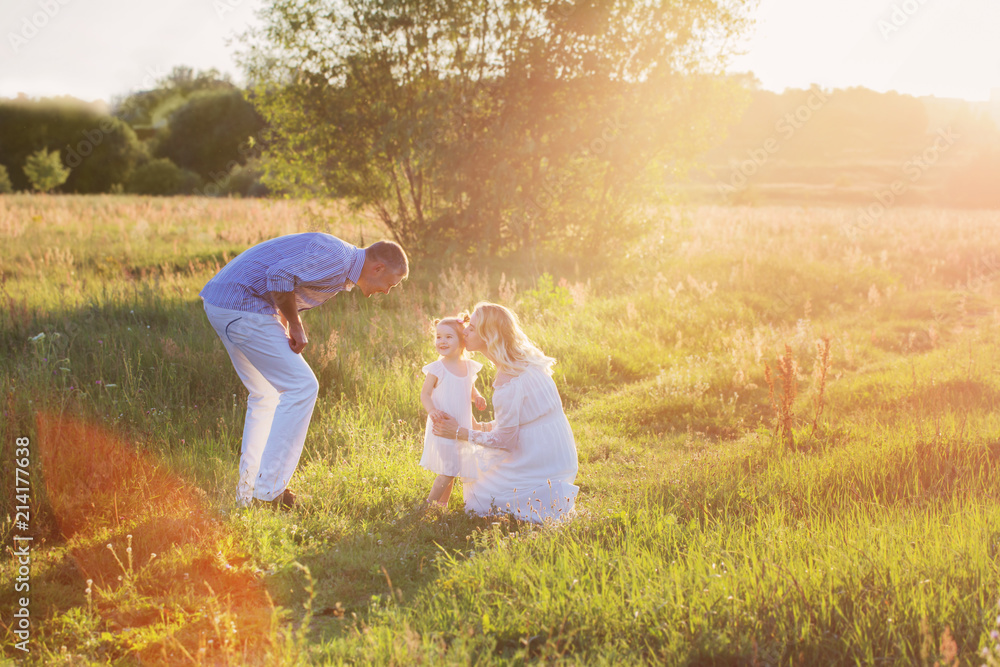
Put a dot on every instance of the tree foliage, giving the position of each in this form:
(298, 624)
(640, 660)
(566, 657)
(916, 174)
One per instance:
(100, 150)
(162, 177)
(151, 107)
(5, 185)
(497, 124)
(211, 133)
(45, 170)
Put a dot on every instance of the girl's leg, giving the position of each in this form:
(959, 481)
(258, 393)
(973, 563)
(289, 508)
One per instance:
(441, 490)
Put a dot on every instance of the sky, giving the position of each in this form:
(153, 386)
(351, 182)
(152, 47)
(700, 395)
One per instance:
(100, 49)
(946, 48)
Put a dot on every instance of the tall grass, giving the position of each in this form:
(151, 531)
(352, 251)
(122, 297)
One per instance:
(702, 536)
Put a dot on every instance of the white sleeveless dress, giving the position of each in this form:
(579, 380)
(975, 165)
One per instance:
(453, 395)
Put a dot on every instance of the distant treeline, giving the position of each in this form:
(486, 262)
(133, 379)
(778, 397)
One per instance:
(195, 133)
(191, 134)
(854, 142)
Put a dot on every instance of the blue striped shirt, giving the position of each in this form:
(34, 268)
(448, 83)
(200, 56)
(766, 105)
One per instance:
(313, 265)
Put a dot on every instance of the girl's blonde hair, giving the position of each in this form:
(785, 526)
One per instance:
(507, 343)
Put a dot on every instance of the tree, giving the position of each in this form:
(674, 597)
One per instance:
(5, 185)
(45, 171)
(514, 123)
(151, 107)
(211, 133)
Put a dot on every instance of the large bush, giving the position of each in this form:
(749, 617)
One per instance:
(163, 177)
(241, 181)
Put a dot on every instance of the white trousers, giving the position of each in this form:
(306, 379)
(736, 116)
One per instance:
(282, 395)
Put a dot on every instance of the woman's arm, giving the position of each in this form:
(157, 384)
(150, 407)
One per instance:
(501, 433)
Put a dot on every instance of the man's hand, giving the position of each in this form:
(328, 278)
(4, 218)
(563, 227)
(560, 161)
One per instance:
(480, 403)
(297, 337)
(289, 316)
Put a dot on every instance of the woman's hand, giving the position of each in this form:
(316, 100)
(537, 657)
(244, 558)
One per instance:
(446, 428)
(480, 403)
(437, 415)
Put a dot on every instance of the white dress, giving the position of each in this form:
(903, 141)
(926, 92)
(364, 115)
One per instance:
(527, 462)
(453, 395)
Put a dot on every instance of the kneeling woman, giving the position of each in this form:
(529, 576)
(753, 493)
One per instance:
(527, 460)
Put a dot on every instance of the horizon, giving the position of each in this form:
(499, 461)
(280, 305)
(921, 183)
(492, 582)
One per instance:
(993, 98)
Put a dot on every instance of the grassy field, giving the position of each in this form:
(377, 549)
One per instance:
(845, 515)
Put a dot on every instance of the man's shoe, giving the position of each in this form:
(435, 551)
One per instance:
(286, 500)
(283, 501)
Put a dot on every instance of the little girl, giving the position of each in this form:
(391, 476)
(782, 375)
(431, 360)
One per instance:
(449, 389)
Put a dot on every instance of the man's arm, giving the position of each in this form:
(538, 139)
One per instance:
(290, 313)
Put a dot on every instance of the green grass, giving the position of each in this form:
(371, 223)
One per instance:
(701, 537)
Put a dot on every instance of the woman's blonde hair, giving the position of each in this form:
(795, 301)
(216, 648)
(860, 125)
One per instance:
(506, 342)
